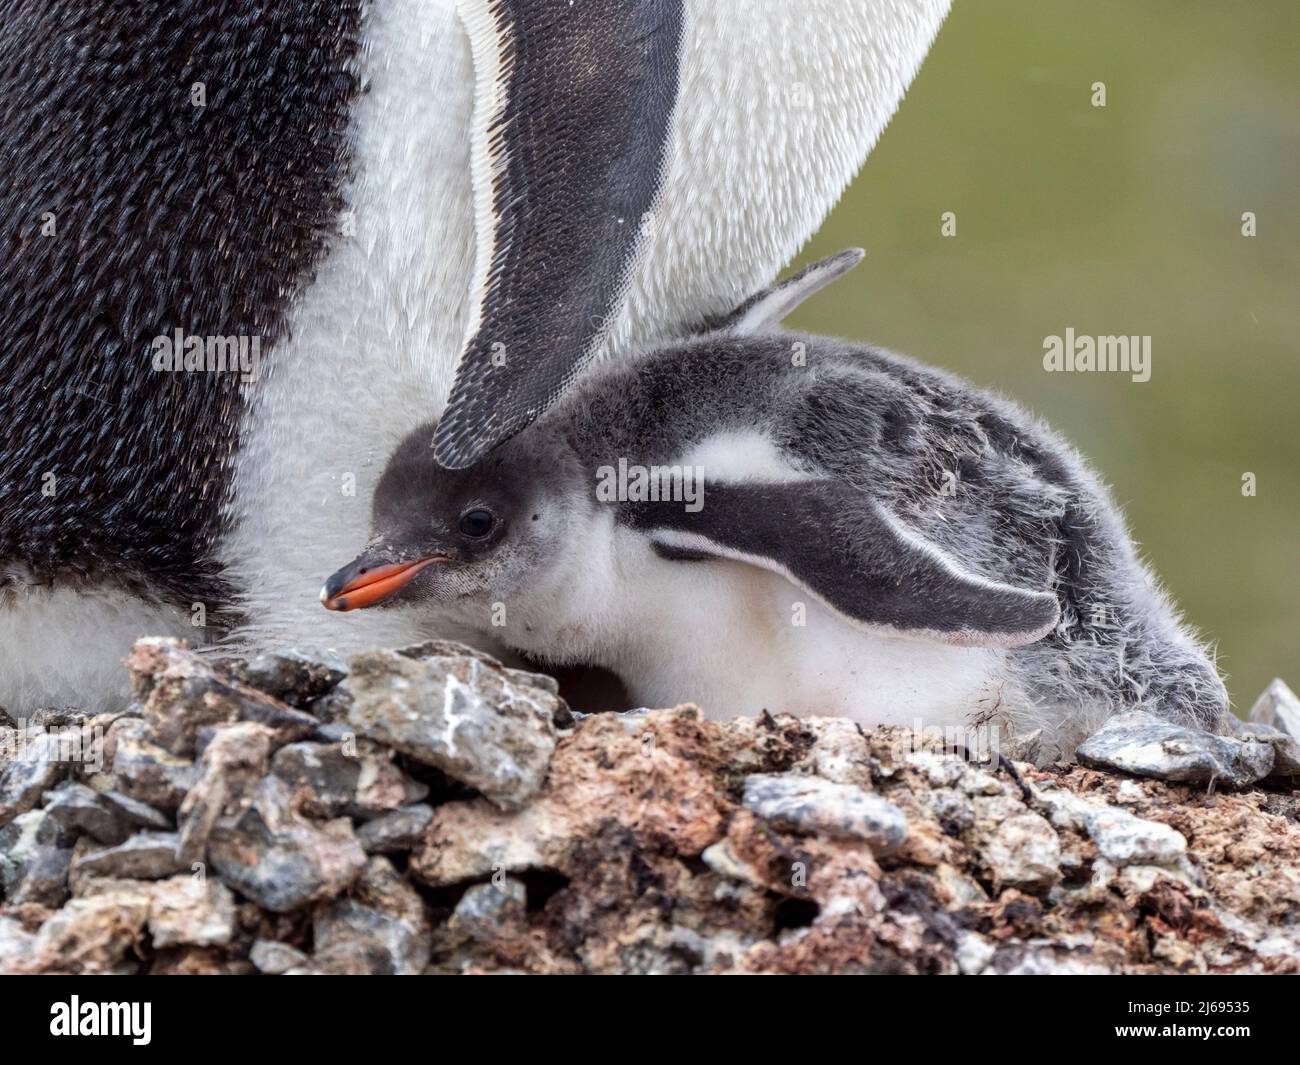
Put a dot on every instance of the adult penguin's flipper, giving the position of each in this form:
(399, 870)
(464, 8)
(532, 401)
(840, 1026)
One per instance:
(571, 127)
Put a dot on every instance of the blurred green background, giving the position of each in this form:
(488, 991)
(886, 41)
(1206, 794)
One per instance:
(1117, 220)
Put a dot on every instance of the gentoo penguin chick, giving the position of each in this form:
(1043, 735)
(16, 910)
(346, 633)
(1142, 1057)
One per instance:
(758, 519)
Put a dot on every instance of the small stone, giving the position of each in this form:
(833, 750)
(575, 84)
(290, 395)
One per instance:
(35, 856)
(485, 907)
(233, 763)
(24, 777)
(89, 935)
(1148, 746)
(189, 911)
(722, 858)
(135, 813)
(397, 831)
(1286, 750)
(361, 782)
(379, 928)
(146, 772)
(144, 856)
(295, 677)
(953, 810)
(1127, 840)
(1278, 707)
(470, 718)
(273, 957)
(1023, 851)
(181, 694)
(961, 888)
(83, 810)
(178, 693)
(841, 754)
(976, 781)
(974, 953)
(1129, 791)
(383, 786)
(814, 807)
(280, 859)
(941, 770)
(468, 840)
(1122, 838)
(326, 769)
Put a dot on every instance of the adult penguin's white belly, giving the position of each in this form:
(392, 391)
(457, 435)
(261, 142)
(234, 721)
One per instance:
(372, 344)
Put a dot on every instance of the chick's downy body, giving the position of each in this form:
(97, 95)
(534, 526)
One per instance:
(810, 447)
(802, 524)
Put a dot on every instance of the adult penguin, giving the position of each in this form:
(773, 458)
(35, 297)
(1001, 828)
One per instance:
(247, 244)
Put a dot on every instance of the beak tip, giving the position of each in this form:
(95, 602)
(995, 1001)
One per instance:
(351, 588)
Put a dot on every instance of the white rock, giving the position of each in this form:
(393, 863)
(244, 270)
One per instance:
(974, 953)
(1128, 840)
(1122, 838)
(943, 770)
(723, 860)
(1279, 707)
(184, 910)
(1024, 851)
(815, 807)
(489, 727)
(1149, 746)
(1129, 791)
(273, 957)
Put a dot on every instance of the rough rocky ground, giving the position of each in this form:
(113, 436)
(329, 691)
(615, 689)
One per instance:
(428, 810)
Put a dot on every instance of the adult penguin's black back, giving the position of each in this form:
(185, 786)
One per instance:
(166, 165)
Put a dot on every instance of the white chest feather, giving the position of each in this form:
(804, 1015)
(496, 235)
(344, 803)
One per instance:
(736, 639)
(372, 343)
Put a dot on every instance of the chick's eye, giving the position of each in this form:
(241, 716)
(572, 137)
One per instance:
(477, 522)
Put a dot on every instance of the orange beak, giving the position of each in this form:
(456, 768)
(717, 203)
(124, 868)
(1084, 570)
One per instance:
(359, 585)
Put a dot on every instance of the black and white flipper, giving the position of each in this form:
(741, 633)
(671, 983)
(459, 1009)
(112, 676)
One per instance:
(855, 557)
(571, 125)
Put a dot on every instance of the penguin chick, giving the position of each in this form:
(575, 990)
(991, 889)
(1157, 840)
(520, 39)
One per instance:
(759, 519)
